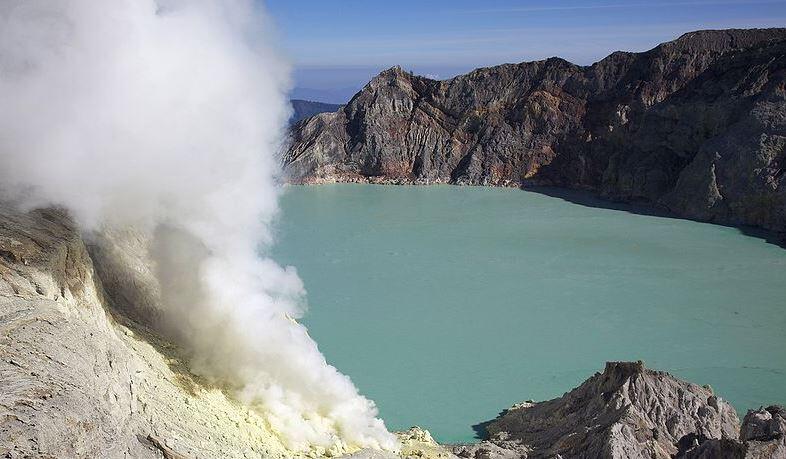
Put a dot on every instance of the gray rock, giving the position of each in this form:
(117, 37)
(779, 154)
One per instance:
(703, 448)
(764, 433)
(764, 424)
(761, 437)
(490, 450)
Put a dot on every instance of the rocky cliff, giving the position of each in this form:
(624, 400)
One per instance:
(695, 126)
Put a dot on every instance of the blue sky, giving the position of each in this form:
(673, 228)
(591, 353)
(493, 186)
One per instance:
(339, 43)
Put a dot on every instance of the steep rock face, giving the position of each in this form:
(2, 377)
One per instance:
(627, 411)
(696, 126)
(76, 382)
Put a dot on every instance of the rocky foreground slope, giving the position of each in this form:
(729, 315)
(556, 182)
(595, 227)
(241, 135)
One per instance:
(696, 126)
(82, 377)
(78, 380)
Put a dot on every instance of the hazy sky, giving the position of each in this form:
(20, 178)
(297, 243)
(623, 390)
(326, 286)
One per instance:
(336, 42)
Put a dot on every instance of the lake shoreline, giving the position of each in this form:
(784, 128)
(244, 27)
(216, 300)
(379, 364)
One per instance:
(583, 197)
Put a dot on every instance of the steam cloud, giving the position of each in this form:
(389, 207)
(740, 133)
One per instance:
(166, 115)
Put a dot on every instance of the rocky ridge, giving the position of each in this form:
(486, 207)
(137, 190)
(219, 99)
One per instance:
(695, 126)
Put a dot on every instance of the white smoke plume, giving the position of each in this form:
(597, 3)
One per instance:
(166, 115)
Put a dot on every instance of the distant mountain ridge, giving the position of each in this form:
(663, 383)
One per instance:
(696, 126)
(337, 96)
(302, 109)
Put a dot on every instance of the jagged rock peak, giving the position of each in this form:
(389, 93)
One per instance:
(390, 75)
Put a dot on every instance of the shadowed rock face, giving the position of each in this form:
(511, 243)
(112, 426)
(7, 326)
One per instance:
(764, 433)
(696, 126)
(762, 436)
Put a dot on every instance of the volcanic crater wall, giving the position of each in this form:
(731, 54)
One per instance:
(695, 126)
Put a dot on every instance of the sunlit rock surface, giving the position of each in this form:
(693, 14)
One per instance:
(78, 381)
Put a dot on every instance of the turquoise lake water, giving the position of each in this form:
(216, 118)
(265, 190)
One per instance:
(446, 304)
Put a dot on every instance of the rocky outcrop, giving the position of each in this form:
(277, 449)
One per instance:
(696, 126)
(78, 379)
(763, 433)
(627, 411)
